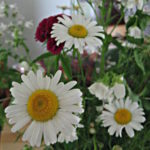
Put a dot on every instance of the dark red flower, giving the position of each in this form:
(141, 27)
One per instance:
(40, 34)
(50, 21)
(53, 48)
(43, 33)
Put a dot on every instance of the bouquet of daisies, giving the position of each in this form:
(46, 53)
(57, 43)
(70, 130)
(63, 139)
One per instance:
(94, 90)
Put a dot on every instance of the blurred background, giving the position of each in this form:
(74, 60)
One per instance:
(36, 10)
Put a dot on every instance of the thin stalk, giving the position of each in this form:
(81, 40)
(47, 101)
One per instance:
(94, 143)
(81, 67)
(102, 62)
(117, 23)
(80, 7)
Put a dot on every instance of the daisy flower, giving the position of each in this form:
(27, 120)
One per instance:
(49, 108)
(77, 31)
(122, 114)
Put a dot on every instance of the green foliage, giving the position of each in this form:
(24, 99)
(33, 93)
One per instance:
(26, 147)
(65, 60)
(2, 117)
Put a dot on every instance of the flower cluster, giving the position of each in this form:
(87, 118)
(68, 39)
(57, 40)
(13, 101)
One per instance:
(50, 111)
(63, 31)
(118, 112)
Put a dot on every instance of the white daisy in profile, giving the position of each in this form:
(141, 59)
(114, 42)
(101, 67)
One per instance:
(130, 4)
(122, 114)
(77, 31)
(49, 108)
(106, 93)
(135, 32)
(101, 91)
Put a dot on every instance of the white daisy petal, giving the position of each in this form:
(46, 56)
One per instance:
(129, 131)
(119, 90)
(55, 80)
(99, 90)
(20, 124)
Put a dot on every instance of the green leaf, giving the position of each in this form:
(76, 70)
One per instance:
(139, 62)
(66, 66)
(135, 40)
(2, 117)
(146, 105)
(132, 95)
(26, 147)
(45, 55)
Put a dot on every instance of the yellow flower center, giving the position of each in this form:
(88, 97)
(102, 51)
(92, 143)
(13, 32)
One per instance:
(78, 31)
(123, 116)
(42, 105)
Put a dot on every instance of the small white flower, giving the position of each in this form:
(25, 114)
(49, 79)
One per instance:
(92, 130)
(102, 92)
(122, 114)
(97, 2)
(87, 9)
(135, 32)
(129, 4)
(77, 31)
(146, 9)
(128, 44)
(28, 24)
(24, 66)
(3, 27)
(2, 8)
(50, 108)
(119, 90)
(99, 108)
(14, 8)
(99, 90)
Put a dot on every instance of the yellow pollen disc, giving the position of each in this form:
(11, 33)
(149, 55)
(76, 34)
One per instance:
(123, 116)
(78, 31)
(42, 105)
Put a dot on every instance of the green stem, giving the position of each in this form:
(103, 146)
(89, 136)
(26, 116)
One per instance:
(102, 62)
(97, 18)
(94, 143)
(80, 7)
(81, 67)
(122, 15)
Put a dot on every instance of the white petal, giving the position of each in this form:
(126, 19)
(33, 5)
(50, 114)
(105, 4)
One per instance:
(55, 80)
(40, 79)
(136, 126)
(99, 90)
(28, 132)
(20, 124)
(119, 90)
(129, 131)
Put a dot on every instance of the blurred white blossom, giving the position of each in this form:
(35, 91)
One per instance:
(135, 32)
(130, 4)
(2, 9)
(29, 24)
(87, 9)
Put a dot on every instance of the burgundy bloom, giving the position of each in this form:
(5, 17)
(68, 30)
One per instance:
(50, 21)
(52, 47)
(40, 34)
(43, 33)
